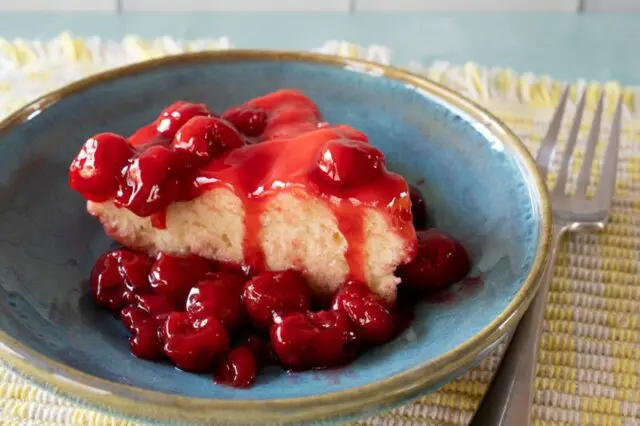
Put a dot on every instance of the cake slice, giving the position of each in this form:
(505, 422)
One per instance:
(267, 184)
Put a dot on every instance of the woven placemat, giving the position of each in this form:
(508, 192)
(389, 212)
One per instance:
(589, 364)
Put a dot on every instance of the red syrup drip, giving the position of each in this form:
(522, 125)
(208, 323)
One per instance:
(351, 225)
(159, 219)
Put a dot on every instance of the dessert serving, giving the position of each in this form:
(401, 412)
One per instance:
(262, 235)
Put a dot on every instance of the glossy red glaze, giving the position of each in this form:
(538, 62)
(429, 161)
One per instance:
(249, 121)
(239, 369)
(218, 296)
(203, 138)
(194, 347)
(344, 163)
(371, 316)
(147, 185)
(170, 120)
(288, 114)
(174, 276)
(116, 276)
(313, 340)
(145, 334)
(440, 261)
(131, 316)
(155, 304)
(95, 170)
(272, 295)
(134, 269)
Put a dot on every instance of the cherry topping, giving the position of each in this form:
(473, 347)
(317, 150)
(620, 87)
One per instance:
(106, 284)
(418, 208)
(94, 171)
(144, 343)
(220, 297)
(173, 117)
(116, 275)
(131, 316)
(239, 369)
(203, 138)
(440, 261)
(249, 121)
(146, 186)
(313, 340)
(349, 163)
(174, 276)
(146, 135)
(154, 304)
(134, 269)
(262, 350)
(271, 295)
(290, 113)
(194, 347)
(145, 337)
(370, 315)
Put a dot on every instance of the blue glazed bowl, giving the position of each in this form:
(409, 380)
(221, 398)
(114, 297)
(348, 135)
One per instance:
(480, 183)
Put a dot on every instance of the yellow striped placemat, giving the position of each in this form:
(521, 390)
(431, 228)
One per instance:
(589, 364)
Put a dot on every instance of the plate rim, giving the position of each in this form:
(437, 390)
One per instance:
(141, 403)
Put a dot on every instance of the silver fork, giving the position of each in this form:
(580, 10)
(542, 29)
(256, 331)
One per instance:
(509, 399)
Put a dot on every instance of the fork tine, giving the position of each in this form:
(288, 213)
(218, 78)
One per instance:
(550, 139)
(561, 182)
(607, 185)
(592, 142)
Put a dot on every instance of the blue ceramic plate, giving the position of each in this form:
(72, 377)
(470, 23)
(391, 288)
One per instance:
(478, 180)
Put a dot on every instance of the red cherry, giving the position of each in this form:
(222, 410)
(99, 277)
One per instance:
(313, 340)
(154, 304)
(203, 138)
(248, 120)
(370, 315)
(194, 347)
(116, 276)
(335, 344)
(289, 113)
(107, 286)
(239, 369)
(173, 117)
(271, 295)
(131, 316)
(134, 269)
(418, 208)
(145, 336)
(146, 185)
(348, 163)
(146, 135)
(145, 342)
(94, 171)
(174, 276)
(440, 261)
(218, 296)
(262, 350)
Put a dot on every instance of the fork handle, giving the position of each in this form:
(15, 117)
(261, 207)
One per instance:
(509, 399)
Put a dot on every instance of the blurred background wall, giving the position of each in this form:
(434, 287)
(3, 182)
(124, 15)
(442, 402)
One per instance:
(353, 6)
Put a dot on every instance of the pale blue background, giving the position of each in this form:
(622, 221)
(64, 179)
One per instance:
(565, 46)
